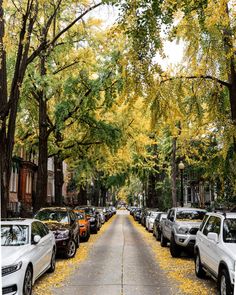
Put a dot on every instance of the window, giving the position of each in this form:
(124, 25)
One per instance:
(229, 230)
(28, 183)
(13, 180)
(14, 235)
(212, 225)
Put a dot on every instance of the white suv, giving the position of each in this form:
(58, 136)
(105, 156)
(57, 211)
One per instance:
(215, 250)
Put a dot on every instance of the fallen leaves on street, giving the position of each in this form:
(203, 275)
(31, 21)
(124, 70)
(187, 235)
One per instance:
(181, 270)
(64, 267)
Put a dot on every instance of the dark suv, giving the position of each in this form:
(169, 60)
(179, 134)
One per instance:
(63, 223)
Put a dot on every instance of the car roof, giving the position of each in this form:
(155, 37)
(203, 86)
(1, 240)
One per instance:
(18, 221)
(224, 214)
(55, 208)
(189, 208)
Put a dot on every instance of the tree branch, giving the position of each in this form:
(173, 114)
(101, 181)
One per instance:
(226, 84)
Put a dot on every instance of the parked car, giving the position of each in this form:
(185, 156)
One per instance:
(102, 215)
(137, 215)
(84, 225)
(93, 218)
(150, 220)
(215, 250)
(180, 228)
(28, 250)
(157, 225)
(62, 221)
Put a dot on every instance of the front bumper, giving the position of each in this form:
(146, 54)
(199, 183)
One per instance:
(186, 241)
(61, 245)
(12, 284)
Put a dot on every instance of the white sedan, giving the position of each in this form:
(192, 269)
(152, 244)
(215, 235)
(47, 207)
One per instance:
(28, 250)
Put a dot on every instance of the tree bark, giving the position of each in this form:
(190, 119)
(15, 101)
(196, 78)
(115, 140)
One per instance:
(42, 176)
(58, 180)
(173, 173)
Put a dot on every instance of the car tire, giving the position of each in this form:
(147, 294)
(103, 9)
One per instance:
(224, 283)
(163, 241)
(87, 236)
(95, 231)
(53, 261)
(158, 235)
(175, 249)
(199, 271)
(27, 286)
(71, 249)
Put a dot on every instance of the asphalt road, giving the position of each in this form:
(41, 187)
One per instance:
(120, 263)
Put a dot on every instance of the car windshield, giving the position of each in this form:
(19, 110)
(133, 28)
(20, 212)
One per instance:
(14, 235)
(50, 215)
(194, 215)
(229, 230)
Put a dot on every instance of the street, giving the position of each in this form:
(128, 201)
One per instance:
(119, 263)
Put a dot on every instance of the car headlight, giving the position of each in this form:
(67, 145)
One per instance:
(182, 230)
(63, 234)
(6, 270)
(92, 219)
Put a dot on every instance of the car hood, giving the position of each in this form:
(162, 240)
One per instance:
(54, 226)
(13, 254)
(190, 224)
(82, 222)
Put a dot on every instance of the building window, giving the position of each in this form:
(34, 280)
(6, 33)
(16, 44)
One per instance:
(13, 180)
(28, 183)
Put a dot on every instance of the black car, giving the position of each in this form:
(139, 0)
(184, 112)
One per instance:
(93, 217)
(62, 221)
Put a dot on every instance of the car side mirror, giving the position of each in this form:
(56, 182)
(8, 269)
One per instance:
(36, 239)
(171, 218)
(213, 237)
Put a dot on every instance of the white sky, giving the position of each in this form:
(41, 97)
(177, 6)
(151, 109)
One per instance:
(172, 50)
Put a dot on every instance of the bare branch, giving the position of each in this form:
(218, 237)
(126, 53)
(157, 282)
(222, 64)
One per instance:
(226, 84)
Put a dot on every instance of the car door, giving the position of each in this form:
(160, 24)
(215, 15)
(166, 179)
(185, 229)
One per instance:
(206, 245)
(169, 223)
(46, 243)
(213, 257)
(37, 253)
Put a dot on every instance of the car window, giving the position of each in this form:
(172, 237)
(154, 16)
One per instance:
(51, 215)
(34, 230)
(14, 235)
(212, 225)
(42, 229)
(194, 215)
(170, 214)
(229, 230)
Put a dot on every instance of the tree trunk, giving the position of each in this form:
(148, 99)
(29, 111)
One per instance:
(58, 179)
(42, 176)
(173, 173)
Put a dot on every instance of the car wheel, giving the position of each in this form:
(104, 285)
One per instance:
(71, 249)
(199, 271)
(163, 240)
(95, 231)
(225, 287)
(27, 287)
(53, 261)
(158, 236)
(175, 249)
(87, 236)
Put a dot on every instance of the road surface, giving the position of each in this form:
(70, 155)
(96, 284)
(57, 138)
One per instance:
(120, 263)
